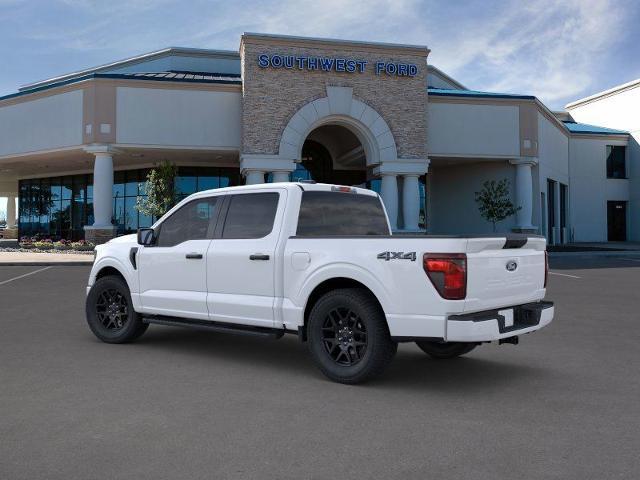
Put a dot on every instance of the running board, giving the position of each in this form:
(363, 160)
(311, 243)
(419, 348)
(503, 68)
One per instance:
(214, 326)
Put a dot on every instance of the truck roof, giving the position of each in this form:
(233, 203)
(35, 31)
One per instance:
(326, 187)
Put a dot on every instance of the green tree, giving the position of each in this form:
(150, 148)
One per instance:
(494, 201)
(160, 190)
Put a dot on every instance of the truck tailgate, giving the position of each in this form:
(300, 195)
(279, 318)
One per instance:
(503, 274)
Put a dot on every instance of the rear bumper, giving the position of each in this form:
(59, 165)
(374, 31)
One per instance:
(497, 324)
(484, 326)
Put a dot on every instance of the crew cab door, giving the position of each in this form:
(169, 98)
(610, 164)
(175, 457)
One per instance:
(173, 272)
(241, 261)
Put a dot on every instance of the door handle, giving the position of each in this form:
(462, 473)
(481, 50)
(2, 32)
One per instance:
(258, 256)
(194, 256)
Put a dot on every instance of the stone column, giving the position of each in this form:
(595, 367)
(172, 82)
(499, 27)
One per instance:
(411, 202)
(524, 193)
(253, 177)
(102, 229)
(389, 194)
(280, 176)
(11, 212)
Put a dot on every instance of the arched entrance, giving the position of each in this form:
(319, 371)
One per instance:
(340, 139)
(333, 154)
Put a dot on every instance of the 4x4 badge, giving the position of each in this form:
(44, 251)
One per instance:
(397, 256)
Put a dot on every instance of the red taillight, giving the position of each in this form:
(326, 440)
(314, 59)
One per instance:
(448, 273)
(546, 268)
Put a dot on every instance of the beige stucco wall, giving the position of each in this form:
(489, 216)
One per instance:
(590, 189)
(467, 129)
(620, 111)
(177, 117)
(54, 121)
(271, 96)
(452, 208)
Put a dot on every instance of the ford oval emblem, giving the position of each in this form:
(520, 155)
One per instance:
(512, 266)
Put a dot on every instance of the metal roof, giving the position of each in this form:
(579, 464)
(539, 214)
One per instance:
(177, 75)
(475, 93)
(135, 60)
(585, 128)
(186, 77)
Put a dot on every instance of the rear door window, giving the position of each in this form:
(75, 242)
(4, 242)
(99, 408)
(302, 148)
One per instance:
(337, 213)
(250, 215)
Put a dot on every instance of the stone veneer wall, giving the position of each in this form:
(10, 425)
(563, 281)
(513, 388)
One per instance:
(271, 96)
(99, 236)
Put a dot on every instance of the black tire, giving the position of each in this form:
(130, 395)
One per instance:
(445, 350)
(110, 313)
(348, 336)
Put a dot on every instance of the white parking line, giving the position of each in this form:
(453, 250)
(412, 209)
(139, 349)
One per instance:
(25, 275)
(564, 275)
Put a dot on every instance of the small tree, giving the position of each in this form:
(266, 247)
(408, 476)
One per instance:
(494, 201)
(160, 190)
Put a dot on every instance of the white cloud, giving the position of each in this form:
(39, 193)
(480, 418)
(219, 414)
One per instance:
(548, 48)
(545, 48)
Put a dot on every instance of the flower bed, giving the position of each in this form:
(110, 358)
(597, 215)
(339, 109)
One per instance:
(40, 245)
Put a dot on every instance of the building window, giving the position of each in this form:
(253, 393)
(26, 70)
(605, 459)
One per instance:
(59, 207)
(616, 161)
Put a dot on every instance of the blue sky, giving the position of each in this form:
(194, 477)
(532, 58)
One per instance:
(556, 50)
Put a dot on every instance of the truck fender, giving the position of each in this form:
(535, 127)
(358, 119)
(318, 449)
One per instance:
(125, 270)
(344, 270)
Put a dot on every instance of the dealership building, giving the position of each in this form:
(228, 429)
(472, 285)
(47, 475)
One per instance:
(75, 150)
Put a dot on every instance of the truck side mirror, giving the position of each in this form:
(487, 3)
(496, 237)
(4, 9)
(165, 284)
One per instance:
(146, 237)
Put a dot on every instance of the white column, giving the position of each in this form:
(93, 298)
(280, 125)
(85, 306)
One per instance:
(253, 167)
(410, 169)
(524, 192)
(280, 176)
(11, 212)
(389, 193)
(253, 177)
(411, 202)
(103, 190)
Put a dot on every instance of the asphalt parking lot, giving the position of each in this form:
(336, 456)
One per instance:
(178, 404)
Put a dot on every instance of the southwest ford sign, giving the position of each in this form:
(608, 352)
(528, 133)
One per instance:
(333, 64)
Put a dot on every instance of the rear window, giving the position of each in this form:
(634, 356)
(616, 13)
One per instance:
(336, 213)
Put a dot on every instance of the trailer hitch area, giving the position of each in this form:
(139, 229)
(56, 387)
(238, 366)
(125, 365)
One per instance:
(511, 340)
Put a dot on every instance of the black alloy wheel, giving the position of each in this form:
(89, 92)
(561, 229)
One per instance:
(110, 312)
(348, 336)
(344, 336)
(112, 309)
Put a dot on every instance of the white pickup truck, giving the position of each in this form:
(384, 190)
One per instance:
(318, 261)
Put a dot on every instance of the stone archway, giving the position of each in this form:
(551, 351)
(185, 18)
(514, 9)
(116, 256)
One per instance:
(340, 108)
